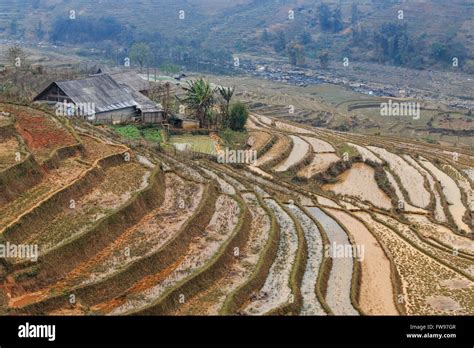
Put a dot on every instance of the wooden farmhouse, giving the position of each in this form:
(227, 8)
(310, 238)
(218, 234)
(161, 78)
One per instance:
(110, 98)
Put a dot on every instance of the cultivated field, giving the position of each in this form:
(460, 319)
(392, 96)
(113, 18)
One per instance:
(315, 227)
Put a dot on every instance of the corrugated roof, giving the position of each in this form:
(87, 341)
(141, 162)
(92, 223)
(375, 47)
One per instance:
(131, 79)
(101, 90)
(108, 92)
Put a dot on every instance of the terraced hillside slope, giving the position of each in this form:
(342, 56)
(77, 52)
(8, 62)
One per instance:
(324, 223)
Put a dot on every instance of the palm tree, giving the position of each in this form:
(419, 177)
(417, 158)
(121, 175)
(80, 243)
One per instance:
(199, 97)
(226, 94)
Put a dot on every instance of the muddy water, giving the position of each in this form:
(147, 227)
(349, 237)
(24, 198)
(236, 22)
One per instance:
(276, 291)
(359, 182)
(298, 152)
(224, 185)
(340, 278)
(201, 250)
(319, 145)
(290, 128)
(452, 194)
(210, 301)
(376, 293)
(464, 184)
(399, 194)
(366, 154)
(281, 144)
(320, 163)
(439, 212)
(311, 305)
(470, 173)
(327, 202)
(410, 178)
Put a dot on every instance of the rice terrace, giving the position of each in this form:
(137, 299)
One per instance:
(273, 188)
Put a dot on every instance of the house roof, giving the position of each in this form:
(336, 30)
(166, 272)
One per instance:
(105, 92)
(131, 79)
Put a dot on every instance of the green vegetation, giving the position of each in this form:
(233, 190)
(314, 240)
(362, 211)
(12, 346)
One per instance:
(199, 98)
(85, 29)
(132, 132)
(430, 140)
(238, 116)
(140, 54)
(152, 134)
(170, 68)
(226, 95)
(128, 132)
(233, 139)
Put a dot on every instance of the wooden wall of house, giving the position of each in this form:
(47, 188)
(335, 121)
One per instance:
(152, 117)
(54, 95)
(116, 117)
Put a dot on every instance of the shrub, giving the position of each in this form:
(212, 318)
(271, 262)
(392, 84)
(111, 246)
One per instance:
(238, 116)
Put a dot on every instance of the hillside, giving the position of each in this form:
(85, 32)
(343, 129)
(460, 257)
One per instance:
(436, 30)
(325, 222)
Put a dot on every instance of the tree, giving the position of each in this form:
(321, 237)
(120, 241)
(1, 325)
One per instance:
(226, 94)
(324, 59)
(238, 116)
(140, 53)
(39, 31)
(296, 54)
(337, 24)
(280, 42)
(305, 38)
(324, 17)
(199, 97)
